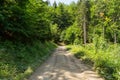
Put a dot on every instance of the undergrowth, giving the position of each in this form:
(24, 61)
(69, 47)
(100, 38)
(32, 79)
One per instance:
(106, 59)
(18, 61)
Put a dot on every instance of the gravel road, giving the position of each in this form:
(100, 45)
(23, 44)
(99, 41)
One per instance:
(64, 66)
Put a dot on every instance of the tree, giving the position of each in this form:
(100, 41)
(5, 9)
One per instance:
(24, 21)
(104, 19)
(55, 4)
(98, 14)
(83, 17)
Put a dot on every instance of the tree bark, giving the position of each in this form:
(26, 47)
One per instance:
(84, 29)
(103, 32)
(115, 38)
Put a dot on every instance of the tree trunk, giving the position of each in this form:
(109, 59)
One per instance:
(103, 32)
(115, 38)
(84, 29)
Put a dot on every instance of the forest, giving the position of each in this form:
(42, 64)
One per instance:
(31, 29)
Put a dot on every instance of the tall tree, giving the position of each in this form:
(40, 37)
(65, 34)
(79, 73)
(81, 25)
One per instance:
(55, 4)
(83, 17)
(98, 15)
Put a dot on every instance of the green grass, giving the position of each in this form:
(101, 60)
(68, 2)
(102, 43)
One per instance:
(106, 60)
(18, 61)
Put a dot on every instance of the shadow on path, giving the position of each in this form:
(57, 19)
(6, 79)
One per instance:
(63, 66)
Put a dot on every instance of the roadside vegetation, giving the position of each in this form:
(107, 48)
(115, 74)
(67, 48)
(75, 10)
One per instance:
(104, 59)
(18, 61)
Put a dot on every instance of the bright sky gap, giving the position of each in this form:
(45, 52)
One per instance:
(63, 1)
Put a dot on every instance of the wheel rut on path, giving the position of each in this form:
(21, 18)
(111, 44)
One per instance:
(64, 66)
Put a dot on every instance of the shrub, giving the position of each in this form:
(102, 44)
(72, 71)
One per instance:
(19, 60)
(79, 54)
(71, 35)
(106, 60)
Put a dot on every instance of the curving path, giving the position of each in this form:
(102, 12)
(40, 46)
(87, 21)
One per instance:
(63, 66)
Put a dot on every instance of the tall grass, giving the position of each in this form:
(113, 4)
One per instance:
(106, 58)
(17, 61)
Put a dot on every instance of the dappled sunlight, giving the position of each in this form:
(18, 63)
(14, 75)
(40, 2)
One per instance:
(59, 74)
(63, 66)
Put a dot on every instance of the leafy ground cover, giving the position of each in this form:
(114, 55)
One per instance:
(18, 61)
(105, 58)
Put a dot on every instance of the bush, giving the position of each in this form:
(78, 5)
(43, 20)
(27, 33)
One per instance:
(79, 54)
(19, 60)
(106, 60)
(55, 32)
(71, 35)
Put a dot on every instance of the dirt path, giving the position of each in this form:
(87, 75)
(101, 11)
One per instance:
(63, 66)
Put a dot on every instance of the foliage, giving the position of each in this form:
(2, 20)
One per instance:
(71, 34)
(62, 17)
(19, 60)
(104, 19)
(106, 60)
(55, 32)
(24, 19)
